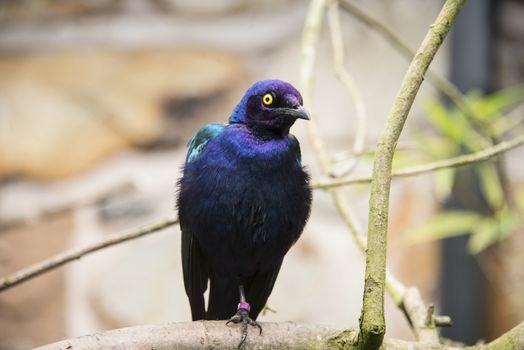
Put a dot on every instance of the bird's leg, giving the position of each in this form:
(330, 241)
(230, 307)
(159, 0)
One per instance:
(242, 315)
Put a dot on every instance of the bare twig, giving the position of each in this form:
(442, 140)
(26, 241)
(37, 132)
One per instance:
(309, 43)
(316, 11)
(442, 321)
(420, 317)
(366, 151)
(73, 254)
(441, 83)
(462, 160)
(429, 315)
(310, 37)
(393, 286)
(372, 321)
(73, 194)
(349, 84)
(309, 46)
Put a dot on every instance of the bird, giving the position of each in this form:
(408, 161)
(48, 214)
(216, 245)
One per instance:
(243, 200)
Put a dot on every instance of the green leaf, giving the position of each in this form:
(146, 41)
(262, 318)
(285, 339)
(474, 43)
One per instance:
(509, 222)
(439, 117)
(490, 184)
(444, 182)
(454, 126)
(519, 199)
(491, 105)
(436, 147)
(486, 232)
(444, 225)
(493, 229)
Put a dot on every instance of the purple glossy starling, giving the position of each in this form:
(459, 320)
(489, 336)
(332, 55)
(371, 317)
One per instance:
(244, 199)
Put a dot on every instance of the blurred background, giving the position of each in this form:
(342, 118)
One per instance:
(98, 99)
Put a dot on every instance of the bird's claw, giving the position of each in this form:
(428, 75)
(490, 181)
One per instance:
(242, 315)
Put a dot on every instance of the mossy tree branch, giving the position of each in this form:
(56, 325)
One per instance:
(309, 48)
(419, 321)
(281, 335)
(372, 321)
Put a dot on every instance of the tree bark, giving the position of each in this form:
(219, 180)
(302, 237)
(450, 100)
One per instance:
(283, 335)
(372, 321)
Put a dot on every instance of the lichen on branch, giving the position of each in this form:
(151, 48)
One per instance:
(372, 321)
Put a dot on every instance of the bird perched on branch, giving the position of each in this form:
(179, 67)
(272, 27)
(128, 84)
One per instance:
(244, 199)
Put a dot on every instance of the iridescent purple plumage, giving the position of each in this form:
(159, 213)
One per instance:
(243, 201)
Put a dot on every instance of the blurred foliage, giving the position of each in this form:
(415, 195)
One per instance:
(457, 133)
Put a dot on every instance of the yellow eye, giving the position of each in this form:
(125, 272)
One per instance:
(267, 99)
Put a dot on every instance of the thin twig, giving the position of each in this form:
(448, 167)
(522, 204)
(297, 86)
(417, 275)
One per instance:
(349, 84)
(441, 83)
(420, 317)
(394, 287)
(509, 125)
(310, 36)
(73, 254)
(461, 160)
(309, 44)
(366, 151)
(429, 315)
(348, 216)
(372, 321)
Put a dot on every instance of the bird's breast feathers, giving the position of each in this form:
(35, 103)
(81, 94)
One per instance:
(253, 189)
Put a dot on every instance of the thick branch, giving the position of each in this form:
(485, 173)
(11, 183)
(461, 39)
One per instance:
(284, 335)
(372, 324)
(511, 340)
(201, 335)
(73, 254)
(310, 41)
(462, 160)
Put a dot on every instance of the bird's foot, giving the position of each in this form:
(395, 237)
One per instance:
(242, 315)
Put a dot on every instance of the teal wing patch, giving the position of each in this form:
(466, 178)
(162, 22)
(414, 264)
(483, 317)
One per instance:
(296, 147)
(199, 141)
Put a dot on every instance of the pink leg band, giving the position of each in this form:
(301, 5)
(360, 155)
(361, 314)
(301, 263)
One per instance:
(244, 305)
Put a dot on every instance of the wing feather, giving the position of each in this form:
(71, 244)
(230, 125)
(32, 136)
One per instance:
(259, 288)
(199, 141)
(194, 264)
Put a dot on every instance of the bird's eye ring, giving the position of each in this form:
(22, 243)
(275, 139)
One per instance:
(267, 99)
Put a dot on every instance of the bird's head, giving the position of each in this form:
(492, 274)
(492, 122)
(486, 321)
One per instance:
(270, 106)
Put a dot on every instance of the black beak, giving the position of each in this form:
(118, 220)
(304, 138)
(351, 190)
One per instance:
(298, 112)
